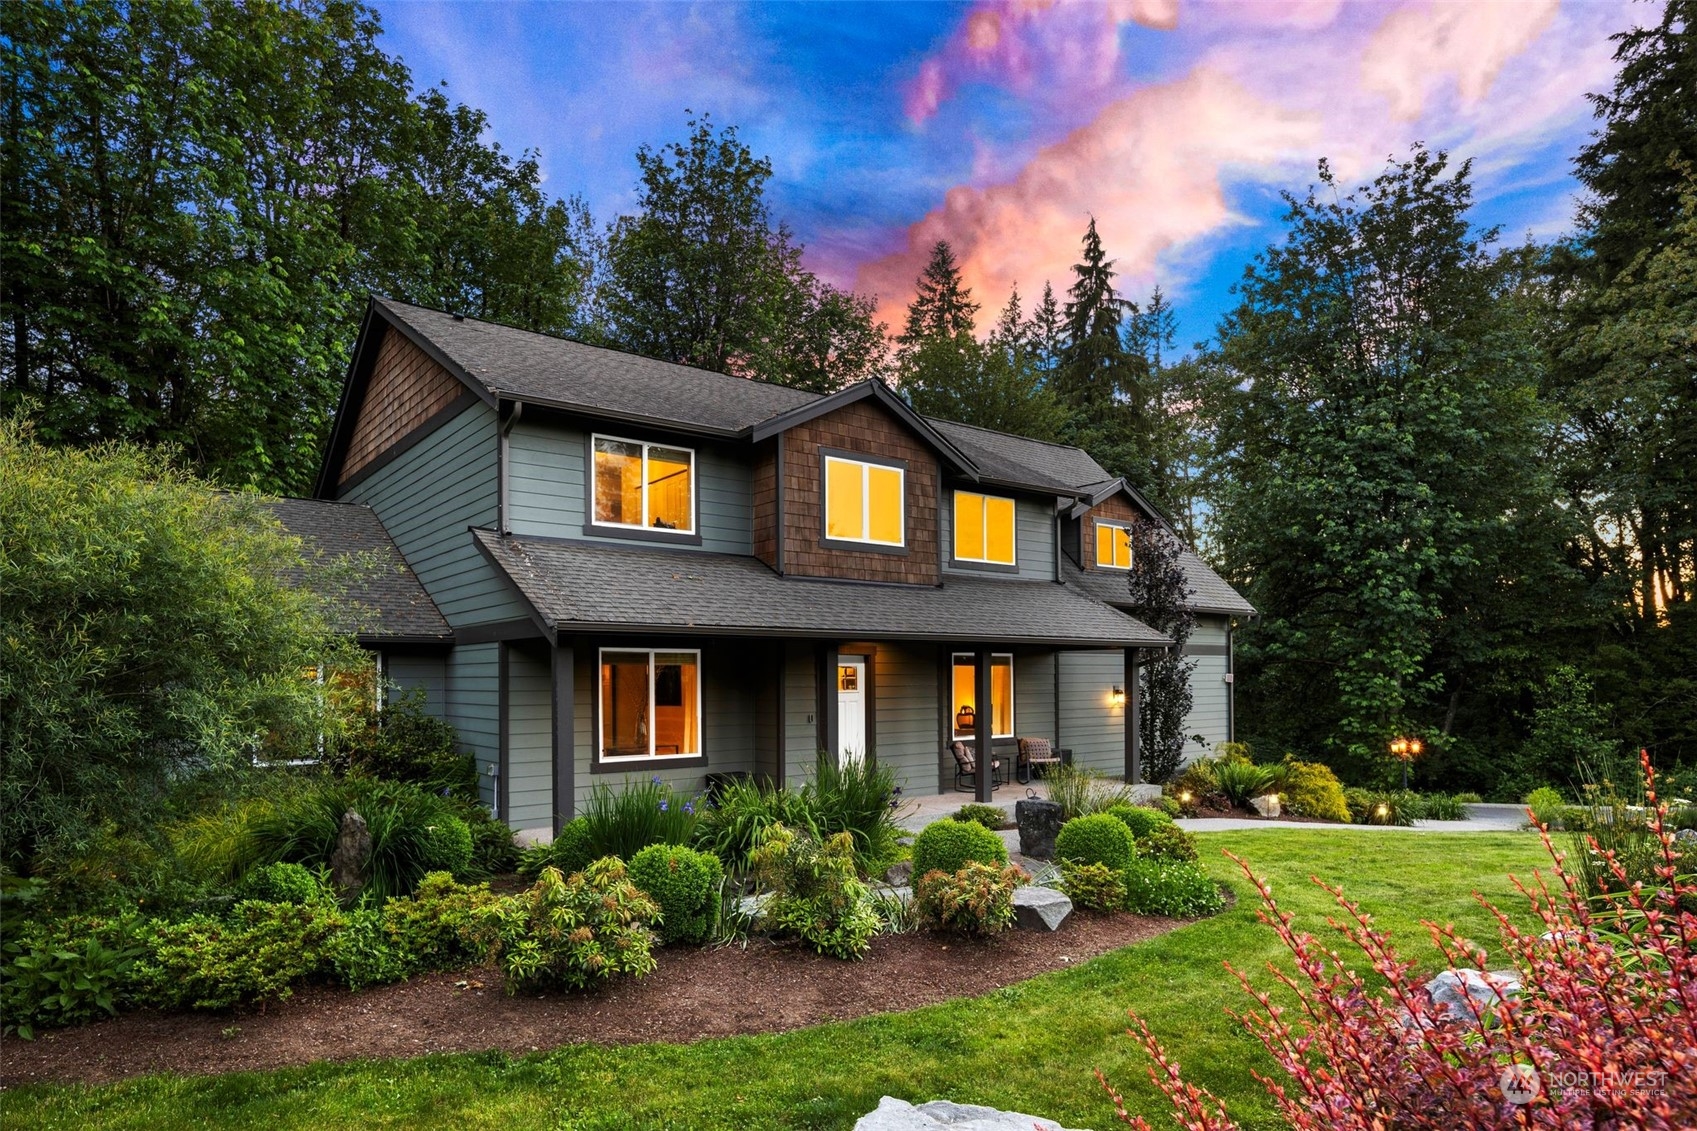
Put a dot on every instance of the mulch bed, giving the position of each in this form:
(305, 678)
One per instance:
(695, 994)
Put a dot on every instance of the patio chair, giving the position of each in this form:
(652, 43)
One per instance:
(966, 768)
(1035, 754)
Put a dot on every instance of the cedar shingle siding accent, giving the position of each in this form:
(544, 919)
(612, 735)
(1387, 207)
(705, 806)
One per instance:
(406, 389)
(1114, 508)
(862, 427)
(766, 502)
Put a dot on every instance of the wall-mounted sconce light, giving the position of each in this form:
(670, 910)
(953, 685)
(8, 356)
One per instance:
(1117, 697)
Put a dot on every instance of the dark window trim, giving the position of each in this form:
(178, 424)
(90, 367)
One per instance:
(1117, 523)
(597, 765)
(830, 543)
(1013, 708)
(595, 529)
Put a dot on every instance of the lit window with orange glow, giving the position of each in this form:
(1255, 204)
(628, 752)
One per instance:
(984, 529)
(864, 502)
(1113, 546)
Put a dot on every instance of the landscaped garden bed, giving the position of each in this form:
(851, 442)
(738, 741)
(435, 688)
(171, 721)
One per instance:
(694, 993)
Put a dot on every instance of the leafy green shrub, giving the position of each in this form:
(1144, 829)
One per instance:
(1241, 781)
(816, 894)
(1168, 842)
(569, 852)
(365, 954)
(685, 885)
(1577, 818)
(1233, 754)
(947, 846)
(1197, 787)
(860, 799)
(1096, 839)
(1381, 807)
(1168, 805)
(1468, 797)
(493, 849)
(1140, 820)
(412, 832)
(258, 953)
(1438, 807)
(1095, 887)
(280, 883)
(625, 821)
(405, 743)
(573, 932)
(737, 822)
(1172, 888)
(1311, 789)
(977, 900)
(1080, 791)
(1546, 805)
(65, 972)
(990, 816)
(439, 927)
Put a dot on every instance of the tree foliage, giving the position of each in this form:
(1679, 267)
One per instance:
(1161, 598)
(149, 632)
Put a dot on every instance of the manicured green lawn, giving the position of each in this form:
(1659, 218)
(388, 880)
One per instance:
(1029, 1047)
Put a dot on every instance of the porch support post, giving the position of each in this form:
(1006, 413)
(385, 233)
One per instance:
(565, 734)
(1133, 716)
(984, 726)
(827, 682)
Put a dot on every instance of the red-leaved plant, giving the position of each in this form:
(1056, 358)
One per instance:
(1607, 1018)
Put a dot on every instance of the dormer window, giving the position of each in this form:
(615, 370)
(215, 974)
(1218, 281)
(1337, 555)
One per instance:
(643, 486)
(984, 529)
(865, 502)
(1113, 545)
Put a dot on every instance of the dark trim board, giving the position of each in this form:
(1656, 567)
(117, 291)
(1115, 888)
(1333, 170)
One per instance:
(491, 631)
(1204, 650)
(503, 692)
(562, 668)
(405, 444)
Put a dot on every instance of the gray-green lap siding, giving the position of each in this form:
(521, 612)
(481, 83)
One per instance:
(548, 494)
(530, 741)
(1034, 536)
(905, 693)
(428, 497)
(472, 704)
(425, 672)
(1090, 725)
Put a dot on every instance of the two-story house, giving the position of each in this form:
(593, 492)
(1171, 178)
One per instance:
(648, 569)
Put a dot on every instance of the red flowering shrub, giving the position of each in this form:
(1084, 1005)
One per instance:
(1604, 1034)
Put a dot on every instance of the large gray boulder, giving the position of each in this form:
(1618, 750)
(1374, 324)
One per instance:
(1040, 909)
(1452, 989)
(349, 858)
(1267, 805)
(892, 1114)
(1039, 823)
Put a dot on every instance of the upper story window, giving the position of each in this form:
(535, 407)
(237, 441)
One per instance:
(1113, 545)
(864, 502)
(984, 528)
(645, 486)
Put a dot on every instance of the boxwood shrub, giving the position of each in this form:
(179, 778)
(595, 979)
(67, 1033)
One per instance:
(685, 883)
(947, 846)
(1097, 839)
(1140, 820)
(279, 883)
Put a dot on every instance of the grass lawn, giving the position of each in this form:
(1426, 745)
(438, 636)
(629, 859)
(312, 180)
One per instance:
(1029, 1047)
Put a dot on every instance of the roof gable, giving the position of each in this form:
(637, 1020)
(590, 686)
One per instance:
(880, 393)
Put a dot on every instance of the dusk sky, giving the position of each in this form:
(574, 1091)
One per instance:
(1003, 126)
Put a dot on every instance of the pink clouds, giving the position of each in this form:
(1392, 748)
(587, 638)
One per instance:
(1422, 44)
(1149, 168)
(1069, 47)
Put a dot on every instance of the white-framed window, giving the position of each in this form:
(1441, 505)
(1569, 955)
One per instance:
(865, 502)
(642, 486)
(984, 529)
(1113, 545)
(966, 695)
(650, 704)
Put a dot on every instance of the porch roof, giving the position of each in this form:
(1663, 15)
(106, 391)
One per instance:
(581, 587)
(1209, 592)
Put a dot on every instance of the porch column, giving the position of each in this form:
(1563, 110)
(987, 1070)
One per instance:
(984, 726)
(565, 734)
(1133, 716)
(827, 685)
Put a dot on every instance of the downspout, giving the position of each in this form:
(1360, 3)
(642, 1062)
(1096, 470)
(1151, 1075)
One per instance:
(1231, 680)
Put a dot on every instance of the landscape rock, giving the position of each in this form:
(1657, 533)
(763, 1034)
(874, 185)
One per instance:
(1039, 822)
(1685, 835)
(892, 1114)
(1267, 805)
(1451, 990)
(353, 851)
(901, 872)
(1040, 909)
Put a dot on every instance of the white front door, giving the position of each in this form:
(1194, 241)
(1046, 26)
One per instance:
(851, 712)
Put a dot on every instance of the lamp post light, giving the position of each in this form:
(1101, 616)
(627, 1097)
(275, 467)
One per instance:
(1405, 750)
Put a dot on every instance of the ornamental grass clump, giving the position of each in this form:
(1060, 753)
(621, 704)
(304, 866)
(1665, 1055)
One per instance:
(1080, 792)
(859, 798)
(737, 822)
(815, 894)
(977, 900)
(622, 822)
(1602, 1034)
(574, 933)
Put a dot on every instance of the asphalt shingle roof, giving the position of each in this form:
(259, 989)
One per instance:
(525, 366)
(578, 586)
(388, 599)
(1209, 591)
(1016, 459)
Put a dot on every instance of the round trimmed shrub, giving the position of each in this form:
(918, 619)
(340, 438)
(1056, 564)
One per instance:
(447, 846)
(685, 883)
(947, 846)
(1096, 839)
(279, 883)
(1139, 820)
